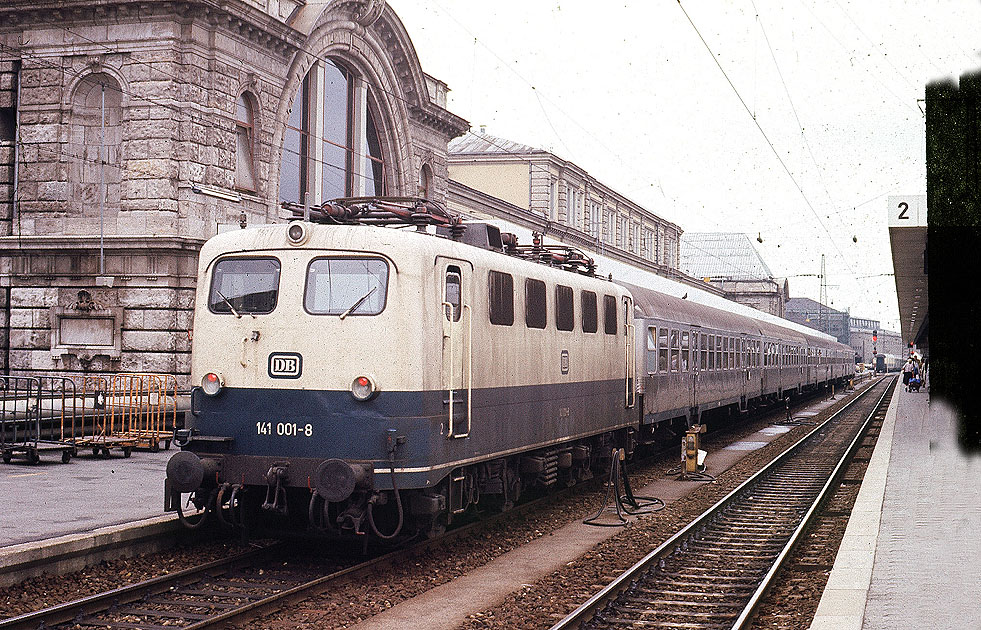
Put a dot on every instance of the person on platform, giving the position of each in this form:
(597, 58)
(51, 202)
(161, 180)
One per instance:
(907, 372)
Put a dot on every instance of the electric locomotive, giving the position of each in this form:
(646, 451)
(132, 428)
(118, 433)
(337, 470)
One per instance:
(362, 379)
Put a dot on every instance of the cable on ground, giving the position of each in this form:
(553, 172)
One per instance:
(620, 499)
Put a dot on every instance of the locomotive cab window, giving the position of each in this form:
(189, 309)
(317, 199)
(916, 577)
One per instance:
(346, 286)
(244, 285)
(565, 318)
(609, 314)
(589, 319)
(536, 314)
(500, 293)
(452, 294)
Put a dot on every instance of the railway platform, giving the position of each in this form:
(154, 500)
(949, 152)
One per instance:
(911, 550)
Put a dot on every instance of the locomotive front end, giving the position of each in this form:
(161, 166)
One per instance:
(307, 379)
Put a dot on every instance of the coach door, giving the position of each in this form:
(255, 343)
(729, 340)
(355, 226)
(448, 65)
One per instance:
(457, 324)
(628, 352)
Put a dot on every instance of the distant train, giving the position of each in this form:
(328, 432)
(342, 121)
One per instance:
(888, 363)
(361, 379)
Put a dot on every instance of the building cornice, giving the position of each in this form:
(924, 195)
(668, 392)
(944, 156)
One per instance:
(20, 245)
(236, 16)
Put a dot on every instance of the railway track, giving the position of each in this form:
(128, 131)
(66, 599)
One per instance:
(237, 588)
(713, 573)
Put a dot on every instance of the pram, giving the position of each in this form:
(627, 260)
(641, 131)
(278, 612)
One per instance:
(914, 384)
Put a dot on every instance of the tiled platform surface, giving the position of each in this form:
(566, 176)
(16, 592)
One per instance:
(911, 556)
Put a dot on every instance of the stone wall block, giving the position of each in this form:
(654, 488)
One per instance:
(150, 340)
(54, 191)
(27, 297)
(160, 320)
(25, 318)
(44, 95)
(149, 362)
(32, 360)
(148, 298)
(35, 134)
(30, 338)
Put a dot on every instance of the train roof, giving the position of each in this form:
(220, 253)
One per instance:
(652, 303)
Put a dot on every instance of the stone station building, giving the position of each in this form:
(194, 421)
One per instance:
(131, 130)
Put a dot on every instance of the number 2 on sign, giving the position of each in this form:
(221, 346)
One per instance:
(904, 207)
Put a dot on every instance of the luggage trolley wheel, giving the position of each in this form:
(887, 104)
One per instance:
(66, 456)
(127, 451)
(7, 456)
(33, 456)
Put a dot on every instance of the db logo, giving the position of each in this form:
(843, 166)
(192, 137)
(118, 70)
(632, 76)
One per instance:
(285, 365)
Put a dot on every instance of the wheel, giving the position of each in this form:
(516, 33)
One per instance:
(7, 456)
(155, 446)
(127, 451)
(95, 451)
(66, 456)
(33, 457)
(166, 445)
(105, 452)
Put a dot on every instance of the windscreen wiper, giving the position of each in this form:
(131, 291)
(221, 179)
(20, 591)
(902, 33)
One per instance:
(229, 303)
(358, 303)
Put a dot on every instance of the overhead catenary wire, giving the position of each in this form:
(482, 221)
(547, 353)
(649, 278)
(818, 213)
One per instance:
(770, 144)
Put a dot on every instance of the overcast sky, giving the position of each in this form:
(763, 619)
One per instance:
(630, 92)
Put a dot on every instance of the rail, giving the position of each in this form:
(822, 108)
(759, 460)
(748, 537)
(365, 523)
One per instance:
(631, 592)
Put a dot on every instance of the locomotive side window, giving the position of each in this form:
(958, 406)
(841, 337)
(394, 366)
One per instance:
(500, 289)
(565, 318)
(536, 313)
(346, 286)
(244, 285)
(451, 294)
(662, 350)
(609, 314)
(589, 319)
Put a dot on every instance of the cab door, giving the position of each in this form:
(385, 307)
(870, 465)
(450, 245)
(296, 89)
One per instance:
(456, 318)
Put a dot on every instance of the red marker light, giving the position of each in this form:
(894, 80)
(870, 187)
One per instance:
(362, 381)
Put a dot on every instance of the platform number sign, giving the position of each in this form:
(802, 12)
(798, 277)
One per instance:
(907, 211)
(285, 365)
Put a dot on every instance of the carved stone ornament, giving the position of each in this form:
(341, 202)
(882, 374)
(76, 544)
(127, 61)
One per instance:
(367, 11)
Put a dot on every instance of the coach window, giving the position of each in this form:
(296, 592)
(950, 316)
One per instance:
(609, 315)
(711, 352)
(651, 349)
(451, 294)
(704, 353)
(536, 313)
(565, 318)
(244, 285)
(685, 346)
(720, 356)
(346, 286)
(662, 349)
(674, 350)
(589, 319)
(500, 294)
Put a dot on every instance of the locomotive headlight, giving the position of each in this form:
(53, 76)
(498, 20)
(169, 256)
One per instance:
(211, 383)
(297, 233)
(363, 388)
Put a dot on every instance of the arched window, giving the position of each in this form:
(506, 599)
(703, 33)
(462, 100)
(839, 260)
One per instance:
(93, 148)
(331, 147)
(425, 181)
(245, 142)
